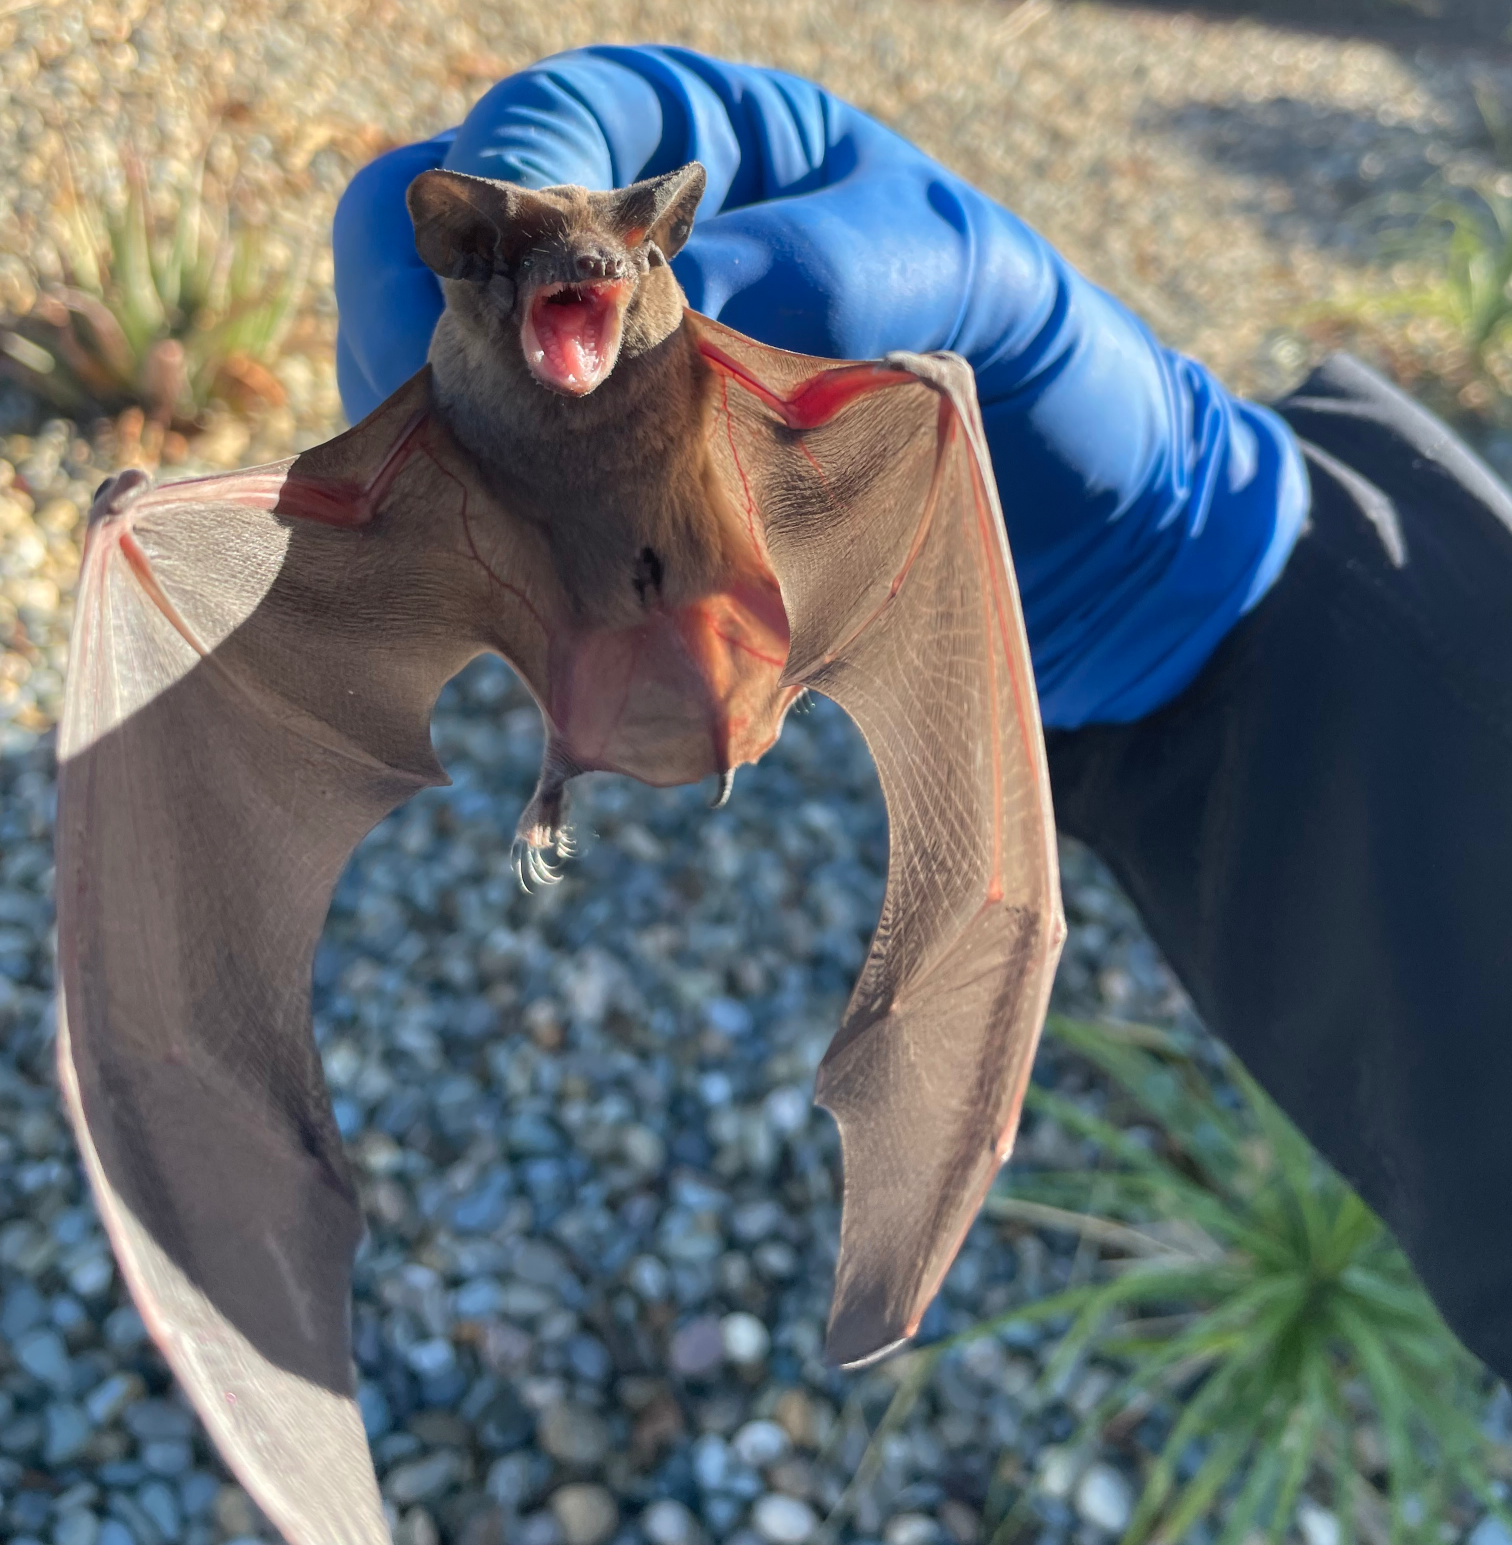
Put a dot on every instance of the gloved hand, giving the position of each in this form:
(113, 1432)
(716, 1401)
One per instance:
(1147, 508)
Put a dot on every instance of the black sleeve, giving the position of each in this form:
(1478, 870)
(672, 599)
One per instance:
(1318, 833)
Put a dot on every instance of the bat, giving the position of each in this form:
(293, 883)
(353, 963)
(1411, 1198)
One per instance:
(669, 531)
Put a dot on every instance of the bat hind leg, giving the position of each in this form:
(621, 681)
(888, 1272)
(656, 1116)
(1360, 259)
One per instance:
(543, 833)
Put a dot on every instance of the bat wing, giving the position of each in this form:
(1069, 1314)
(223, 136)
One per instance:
(255, 660)
(872, 488)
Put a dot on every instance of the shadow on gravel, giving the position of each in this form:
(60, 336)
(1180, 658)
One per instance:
(1327, 161)
(1480, 24)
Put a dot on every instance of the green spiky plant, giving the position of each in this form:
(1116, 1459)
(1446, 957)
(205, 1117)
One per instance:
(1250, 1297)
(1451, 241)
(1462, 237)
(164, 315)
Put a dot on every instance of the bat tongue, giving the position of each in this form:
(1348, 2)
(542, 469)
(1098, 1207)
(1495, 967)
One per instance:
(572, 334)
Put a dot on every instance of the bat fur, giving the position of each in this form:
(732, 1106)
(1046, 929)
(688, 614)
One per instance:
(617, 476)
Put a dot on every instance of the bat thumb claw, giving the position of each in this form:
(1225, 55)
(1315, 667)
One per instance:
(116, 493)
(726, 785)
(857, 1340)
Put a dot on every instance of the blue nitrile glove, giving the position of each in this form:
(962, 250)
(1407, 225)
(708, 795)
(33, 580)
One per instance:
(1147, 508)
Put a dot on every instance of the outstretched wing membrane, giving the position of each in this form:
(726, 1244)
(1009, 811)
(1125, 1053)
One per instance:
(255, 660)
(872, 488)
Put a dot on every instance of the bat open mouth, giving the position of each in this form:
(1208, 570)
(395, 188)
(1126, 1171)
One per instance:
(572, 333)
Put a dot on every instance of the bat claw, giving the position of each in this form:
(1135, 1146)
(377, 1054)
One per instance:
(726, 784)
(118, 493)
(533, 867)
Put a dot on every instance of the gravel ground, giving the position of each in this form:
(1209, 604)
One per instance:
(603, 1212)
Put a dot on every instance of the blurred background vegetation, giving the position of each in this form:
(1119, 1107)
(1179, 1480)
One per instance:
(168, 309)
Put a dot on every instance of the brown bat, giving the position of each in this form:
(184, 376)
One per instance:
(669, 531)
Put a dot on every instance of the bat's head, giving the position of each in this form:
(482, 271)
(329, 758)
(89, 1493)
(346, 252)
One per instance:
(575, 280)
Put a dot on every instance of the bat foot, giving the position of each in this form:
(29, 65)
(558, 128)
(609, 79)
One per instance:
(532, 865)
(542, 835)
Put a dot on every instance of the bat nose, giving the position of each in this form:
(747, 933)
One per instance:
(600, 265)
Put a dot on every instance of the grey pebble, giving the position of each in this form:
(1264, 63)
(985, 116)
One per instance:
(697, 1348)
(377, 1418)
(149, 1419)
(160, 1504)
(1059, 1466)
(1104, 1499)
(80, 1494)
(746, 1340)
(43, 1355)
(422, 1479)
(478, 1298)
(76, 1527)
(669, 1523)
(136, 1518)
(574, 1435)
(650, 1278)
(69, 1315)
(760, 1444)
(589, 1358)
(197, 1492)
(754, 1221)
(68, 1431)
(911, 1529)
(775, 1259)
(787, 1110)
(711, 1461)
(539, 1529)
(23, 1309)
(110, 1397)
(114, 1532)
(587, 1514)
(92, 1277)
(431, 1358)
(511, 1482)
(235, 1511)
(124, 1330)
(417, 1528)
(1318, 1525)
(167, 1456)
(783, 1520)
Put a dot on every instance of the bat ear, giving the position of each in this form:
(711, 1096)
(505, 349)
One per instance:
(472, 227)
(659, 210)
